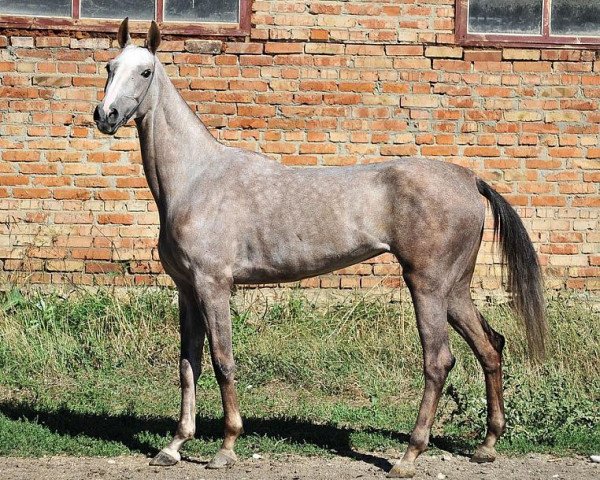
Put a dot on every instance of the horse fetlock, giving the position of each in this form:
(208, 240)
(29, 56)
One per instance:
(417, 444)
(185, 433)
(234, 427)
(496, 426)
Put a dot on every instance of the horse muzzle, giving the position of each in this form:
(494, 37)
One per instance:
(108, 123)
(118, 114)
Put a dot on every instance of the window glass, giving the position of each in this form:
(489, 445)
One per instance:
(506, 16)
(202, 10)
(575, 17)
(119, 9)
(47, 8)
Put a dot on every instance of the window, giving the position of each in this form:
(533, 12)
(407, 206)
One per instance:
(573, 23)
(203, 17)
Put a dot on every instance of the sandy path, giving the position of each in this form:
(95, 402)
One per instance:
(530, 467)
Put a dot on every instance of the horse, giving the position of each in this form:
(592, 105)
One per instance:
(230, 216)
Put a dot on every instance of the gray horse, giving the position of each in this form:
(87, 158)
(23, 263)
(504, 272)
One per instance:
(230, 216)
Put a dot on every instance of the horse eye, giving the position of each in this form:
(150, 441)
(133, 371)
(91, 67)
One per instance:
(146, 73)
(108, 68)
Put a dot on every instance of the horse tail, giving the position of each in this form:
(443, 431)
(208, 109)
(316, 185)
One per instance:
(524, 276)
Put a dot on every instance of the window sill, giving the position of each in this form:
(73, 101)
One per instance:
(104, 26)
(525, 41)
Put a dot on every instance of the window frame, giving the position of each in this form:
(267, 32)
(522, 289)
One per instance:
(179, 27)
(545, 39)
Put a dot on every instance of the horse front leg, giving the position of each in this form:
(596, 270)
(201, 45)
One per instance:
(214, 297)
(192, 332)
(431, 311)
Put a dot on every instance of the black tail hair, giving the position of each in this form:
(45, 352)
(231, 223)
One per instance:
(524, 277)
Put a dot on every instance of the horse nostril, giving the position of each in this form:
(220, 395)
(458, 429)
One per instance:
(113, 115)
(97, 114)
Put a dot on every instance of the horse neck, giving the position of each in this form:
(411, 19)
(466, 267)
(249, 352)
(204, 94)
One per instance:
(175, 144)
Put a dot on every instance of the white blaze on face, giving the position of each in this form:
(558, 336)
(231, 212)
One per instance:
(124, 81)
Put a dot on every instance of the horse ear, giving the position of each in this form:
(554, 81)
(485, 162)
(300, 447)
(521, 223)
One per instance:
(123, 35)
(153, 38)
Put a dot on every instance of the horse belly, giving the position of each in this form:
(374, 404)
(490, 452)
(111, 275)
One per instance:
(301, 259)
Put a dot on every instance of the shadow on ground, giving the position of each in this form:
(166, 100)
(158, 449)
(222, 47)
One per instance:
(125, 428)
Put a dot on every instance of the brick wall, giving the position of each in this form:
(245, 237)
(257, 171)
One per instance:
(316, 83)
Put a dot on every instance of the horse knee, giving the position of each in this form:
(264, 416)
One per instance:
(224, 369)
(437, 368)
(234, 425)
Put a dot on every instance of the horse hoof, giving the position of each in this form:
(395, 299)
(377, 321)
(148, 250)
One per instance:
(223, 459)
(164, 459)
(484, 454)
(402, 470)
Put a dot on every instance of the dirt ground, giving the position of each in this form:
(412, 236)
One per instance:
(446, 466)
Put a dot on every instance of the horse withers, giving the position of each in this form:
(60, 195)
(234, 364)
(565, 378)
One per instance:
(231, 216)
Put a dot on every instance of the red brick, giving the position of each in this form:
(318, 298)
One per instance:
(6, 180)
(277, 47)
(548, 200)
(51, 181)
(588, 201)
(91, 253)
(483, 55)
(325, 8)
(439, 150)
(245, 48)
(299, 160)
(532, 66)
(251, 85)
(31, 192)
(356, 86)
(103, 267)
(113, 195)
(116, 218)
(308, 148)
(71, 194)
(20, 156)
(482, 152)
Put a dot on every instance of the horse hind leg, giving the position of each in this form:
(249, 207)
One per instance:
(487, 346)
(431, 312)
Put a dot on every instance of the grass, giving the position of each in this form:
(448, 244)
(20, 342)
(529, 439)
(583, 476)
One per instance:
(96, 374)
